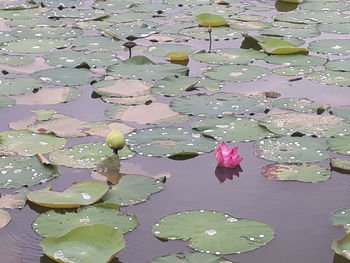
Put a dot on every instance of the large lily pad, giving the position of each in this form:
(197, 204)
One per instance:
(16, 86)
(57, 224)
(163, 49)
(86, 244)
(291, 150)
(28, 143)
(16, 172)
(340, 144)
(298, 104)
(171, 142)
(37, 45)
(218, 33)
(122, 88)
(237, 73)
(296, 172)
(5, 218)
(340, 65)
(219, 103)
(214, 232)
(6, 102)
(96, 44)
(80, 193)
(134, 30)
(296, 60)
(47, 32)
(133, 189)
(331, 46)
(187, 257)
(342, 111)
(230, 128)
(331, 77)
(173, 86)
(341, 217)
(290, 32)
(340, 165)
(14, 60)
(309, 124)
(207, 20)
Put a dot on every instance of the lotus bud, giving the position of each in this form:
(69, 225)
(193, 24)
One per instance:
(115, 140)
(227, 156)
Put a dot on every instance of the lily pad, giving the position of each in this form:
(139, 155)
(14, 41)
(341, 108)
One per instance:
(17, 172)
(37, 45)
(340, 165)
(218, 33)
(122, 88)
(64, 76)
(342, 111)
(291, 150)
(296, 172)
(16, 86)
(303, 105)
(6, 102)
(340, 144)
(80, 193)
(237, 73)
(169, 142)
(340, 65)
(96, 44)
(343, 28)
(342, 247)
(330, 77)
(232, 129)
(331, 46)
(290, 32)
(86, 155)
(133, 189)
(296, 60)
(28, 143)
(13, 60)
(219, 103)
(292, 71)
(5, 218)
(56, 224)
(214, 232)
(47, 32)
(187, 257)
(341, 217)
(145, 69)
(163, 49)
(134, 30)
(86, 244)
(207, 20)
(173, 86)
(309, 124)
(13, 201)
(229, 56)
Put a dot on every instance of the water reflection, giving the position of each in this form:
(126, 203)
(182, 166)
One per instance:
(223, 173)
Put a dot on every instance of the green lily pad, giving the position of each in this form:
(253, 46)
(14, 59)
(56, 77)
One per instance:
(340, 144)
(85, 244)
(37, 45)
(13, 60)
(340, 65)
(207, 20)
(290, 32)
(218, 33)
(248, 25)
(47, 32)
(163, 49)
(86, 155)
(187, 257)
(229, 56)
(133, 189)
(296, 172)
(62, 3)
(296, 60)
(134, 30)
(32, 23)
(232, 129)
(325, 6)
(6, 102)
(342, 111)
(173, 86)
(27, 143)
(342, 247)
(5, 218)
(74, 59)
(169, 142)
(340, 165)
(56, 224)
(331, 46)
(323, 17)
(291, 150)
(303, 105)
(219, 103)
(309, 124)
(237, 73)
(128, 17)
(75, 15)
(96, 44)
(145, 69)
(214, 232)
(64, 76)
(16, 86)
(341, 217)
(80, 193)
(330, 77)
(6, 37)
(17, 172)
(292, 71)
(343, 28)
(22, 13)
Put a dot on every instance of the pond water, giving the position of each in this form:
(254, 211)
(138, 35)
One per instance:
(298, 212)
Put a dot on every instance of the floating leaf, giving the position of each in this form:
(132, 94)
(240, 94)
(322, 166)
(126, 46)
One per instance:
(85, 244)
(56, 224)
(290, 32)
(331, 46)
(341, 217)
(12, 201)
(86, 155)
(171, 142)
(291, 150)
(17, 172)
(47, 32)
(232, 129)
(218, 33)
(342, 247)
(342, 111)
(343, 28)
(132, 189)
(122, 88)
(340, 144)
(219, 103)
(214, 232)
(279, 46)
(80, 193)
(134, 30)
(331, 77)
(27, 143)
(292, 71)
(5, 218)
(296, 60)
(16, 86)
(340, 65)
(13, 60)
(296, 172)
(37, 45)
(190, 258)
(340, 165)
(207, 20)
(163, 49)
(6, 102)
(96, 44)
(173, 86)
(298, 104)
(309, 124)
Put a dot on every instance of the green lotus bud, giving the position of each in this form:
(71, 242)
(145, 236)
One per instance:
(115, 140)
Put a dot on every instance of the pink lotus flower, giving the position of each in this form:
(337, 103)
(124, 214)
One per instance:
(226, 156)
